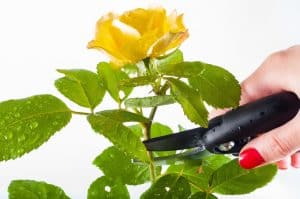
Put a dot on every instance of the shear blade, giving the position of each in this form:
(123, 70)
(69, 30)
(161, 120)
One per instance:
(183, 140)
(181, 158)
(190, 156)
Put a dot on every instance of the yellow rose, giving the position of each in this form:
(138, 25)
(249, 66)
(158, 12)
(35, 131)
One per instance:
(138, 34)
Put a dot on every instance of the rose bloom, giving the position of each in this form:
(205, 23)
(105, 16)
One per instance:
(138, 34)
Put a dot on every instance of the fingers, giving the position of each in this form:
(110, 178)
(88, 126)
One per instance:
(273, 146)
(295, 160)
(216, 113)
(280, 71)
(283, 164)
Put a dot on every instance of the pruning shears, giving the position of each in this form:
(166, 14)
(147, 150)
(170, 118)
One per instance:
(228, 133)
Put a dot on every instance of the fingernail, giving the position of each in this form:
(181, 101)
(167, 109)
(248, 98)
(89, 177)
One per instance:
(250, 158)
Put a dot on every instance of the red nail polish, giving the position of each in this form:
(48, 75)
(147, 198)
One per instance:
(250, 158)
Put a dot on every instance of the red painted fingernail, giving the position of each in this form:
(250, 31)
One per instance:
(250, 158)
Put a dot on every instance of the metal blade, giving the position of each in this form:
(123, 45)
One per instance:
(181, 158)
(183, 140)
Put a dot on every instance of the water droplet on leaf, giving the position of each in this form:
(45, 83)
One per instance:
(21, 138)
(33, 125)
(19, 151)
(107, 188)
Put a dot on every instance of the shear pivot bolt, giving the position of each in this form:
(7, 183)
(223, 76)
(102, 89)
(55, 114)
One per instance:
(226, 146)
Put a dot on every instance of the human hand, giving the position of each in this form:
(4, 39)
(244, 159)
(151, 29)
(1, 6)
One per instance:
(279, 72)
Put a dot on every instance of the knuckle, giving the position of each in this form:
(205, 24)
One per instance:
(247, 90)
(278, 58)
(280, 146)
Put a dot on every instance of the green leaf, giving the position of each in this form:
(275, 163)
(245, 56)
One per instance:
(150, 101)
(138, 81)
(232, 179)
(81, 86)
(114, 163)
(27, 123)
(137, 129)
(168, 186)
(193, 173)
(111, 78)
(217, 87)
(29, 189)
(198, 172)
(212, 163)
(119, 135)
(124, 116)
(173, 58)
(158, 130)
(130, 69)
(183, 69)
(203, 195)
(107, 188)
(190, 101)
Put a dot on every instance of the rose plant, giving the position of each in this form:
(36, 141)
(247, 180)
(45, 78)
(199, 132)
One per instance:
(142, 45)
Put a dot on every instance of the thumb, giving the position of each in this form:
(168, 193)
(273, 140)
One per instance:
(272, 146)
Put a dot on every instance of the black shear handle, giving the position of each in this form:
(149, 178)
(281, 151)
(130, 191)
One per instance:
(240, 125)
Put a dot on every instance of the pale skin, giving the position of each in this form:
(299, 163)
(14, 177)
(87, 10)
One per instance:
(279, 72)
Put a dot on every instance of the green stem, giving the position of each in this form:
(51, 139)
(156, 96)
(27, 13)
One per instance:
(158, 90)
(80, 113)
(147, 135)
(207, 195)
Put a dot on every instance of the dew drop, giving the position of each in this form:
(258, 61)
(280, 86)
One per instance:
(55, 123)
(167, 189)
(17, 115)
(19, 151)
(28, 102)
(21, 138)
(107, 188)
(33, 125)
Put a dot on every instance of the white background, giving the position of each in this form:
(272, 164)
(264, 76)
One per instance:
(36, 37)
